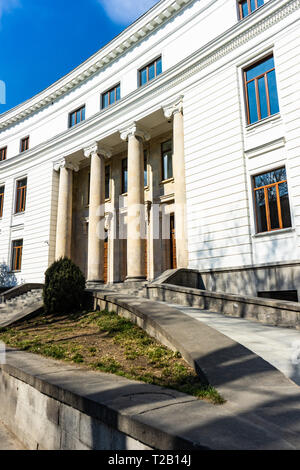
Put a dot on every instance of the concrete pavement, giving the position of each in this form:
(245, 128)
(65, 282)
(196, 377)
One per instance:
(278, 346)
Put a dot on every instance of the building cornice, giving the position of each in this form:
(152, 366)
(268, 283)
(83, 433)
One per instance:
(133, 35)
(269, 15)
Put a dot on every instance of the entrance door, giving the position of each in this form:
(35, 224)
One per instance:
(173, 260)
(106, 257)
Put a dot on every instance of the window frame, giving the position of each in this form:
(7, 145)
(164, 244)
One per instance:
(3, 154)
(266, 199)
(16, 260)
(114, 88)
(2, 195)
(81, 108)
(245, 69)
(240, 10)
(147, 67)
(24, 140)
(21, 196)
(162, 160)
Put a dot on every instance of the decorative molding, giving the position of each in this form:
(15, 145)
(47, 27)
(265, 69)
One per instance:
(173, 108)
(105, 152)
(63, 163)
(101, 59)
(91, 150)
(266, 147)
(134, 130)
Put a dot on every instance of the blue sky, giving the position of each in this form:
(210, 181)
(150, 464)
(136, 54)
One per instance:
(42, 40)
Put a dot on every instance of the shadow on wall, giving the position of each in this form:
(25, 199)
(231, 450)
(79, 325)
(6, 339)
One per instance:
(7, 279)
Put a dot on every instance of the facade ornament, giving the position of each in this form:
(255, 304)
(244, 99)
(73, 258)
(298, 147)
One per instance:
(134, 130)
(173, 108)
(91, 150)
(63, 163)
(105, 152)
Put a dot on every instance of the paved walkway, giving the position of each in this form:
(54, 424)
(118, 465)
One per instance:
(7, 440)
(278, 346)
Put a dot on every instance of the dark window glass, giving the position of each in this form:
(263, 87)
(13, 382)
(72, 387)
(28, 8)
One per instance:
(17, 249)
(150, 71)
(107, 182)
(77, 116)
(3, 154)
(167, 164)
(124, 176)
(2, 190)
(145, 168)
(111, 96)
(261, 90)
(272, 201)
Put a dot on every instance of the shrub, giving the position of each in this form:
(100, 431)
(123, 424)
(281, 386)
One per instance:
(64, 287)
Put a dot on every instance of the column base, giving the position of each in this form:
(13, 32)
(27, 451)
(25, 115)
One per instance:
(135, 279)
(94, 284)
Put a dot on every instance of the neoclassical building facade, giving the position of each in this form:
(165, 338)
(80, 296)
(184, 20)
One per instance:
(175, 145)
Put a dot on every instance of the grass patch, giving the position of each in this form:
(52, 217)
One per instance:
(106, 342)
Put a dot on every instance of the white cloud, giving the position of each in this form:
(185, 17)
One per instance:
(125, 12)
(6, 6)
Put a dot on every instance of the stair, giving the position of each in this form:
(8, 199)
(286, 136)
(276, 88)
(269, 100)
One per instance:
(135, 289)
(22, 304)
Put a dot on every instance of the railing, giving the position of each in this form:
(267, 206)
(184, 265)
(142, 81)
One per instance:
(19, 290)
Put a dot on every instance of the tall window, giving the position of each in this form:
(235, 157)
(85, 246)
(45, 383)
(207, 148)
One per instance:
(261, 90)
(21, 195)
(3, 154)
(166, 155)
(145, 168)
(272, 201)
(124, 176)
(248, 6)
(107, 182)
(17, 249)
(24, 144)
(150, 71)
(111, 97)
(77, 116)
(2, 189)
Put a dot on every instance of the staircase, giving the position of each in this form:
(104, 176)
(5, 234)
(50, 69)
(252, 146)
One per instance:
(20, 302)
(135, 289)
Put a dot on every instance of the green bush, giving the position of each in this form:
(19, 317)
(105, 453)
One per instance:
(64, 287)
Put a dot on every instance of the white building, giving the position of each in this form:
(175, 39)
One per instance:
(193, 106)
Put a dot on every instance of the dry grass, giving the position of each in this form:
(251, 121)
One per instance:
(106, 342)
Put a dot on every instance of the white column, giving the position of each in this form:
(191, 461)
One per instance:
(135, 210)
(96, 213)
(175, 111)
(64, 210)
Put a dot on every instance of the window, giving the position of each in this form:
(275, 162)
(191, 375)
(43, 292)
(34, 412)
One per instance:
(145, 168)
(77, 116)
(111, 97)
(150, 71)
(88, 189)
(3, 154)
(17, 248)
(248, 6)
(124, 176)
(24, 144)
(2, 189)
(21, 195)
(261, 90)
(166, 154)
(107, 182)
(272, 205)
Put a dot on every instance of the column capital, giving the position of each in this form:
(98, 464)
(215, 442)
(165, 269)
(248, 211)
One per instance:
(173, 108)
(95, 149)
(63, 163)
(134, 130)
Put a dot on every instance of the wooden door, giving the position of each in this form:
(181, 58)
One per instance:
(173, 260)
